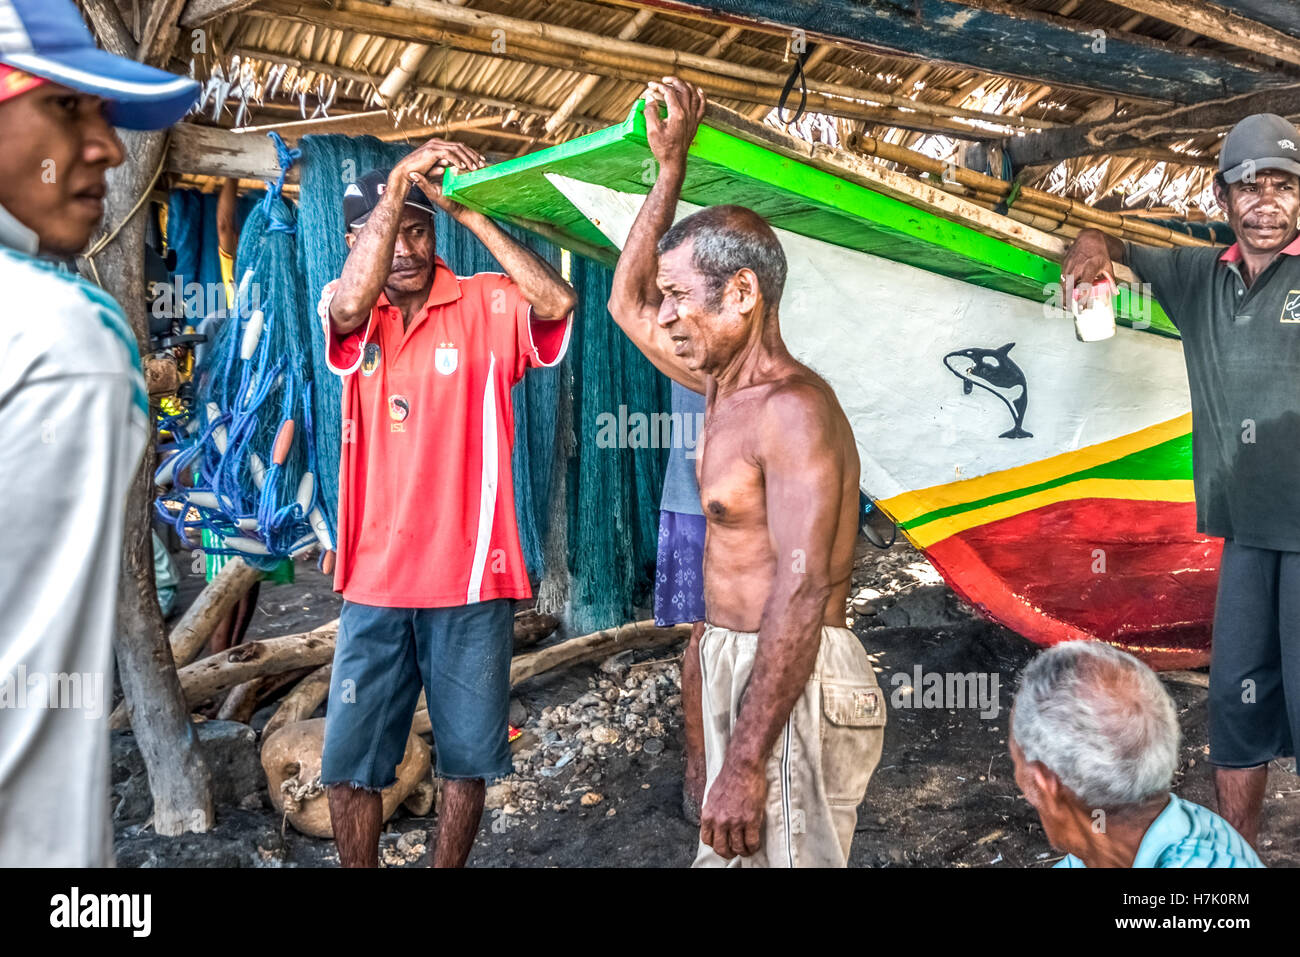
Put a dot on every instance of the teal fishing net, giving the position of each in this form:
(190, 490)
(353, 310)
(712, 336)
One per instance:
(328, 165)
(249, 442)
(612, 493)
(613, 490)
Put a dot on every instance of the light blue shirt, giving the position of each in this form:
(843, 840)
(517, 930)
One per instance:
(1188, 835)
(681, 490)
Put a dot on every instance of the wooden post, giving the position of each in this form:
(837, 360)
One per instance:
(178, 778)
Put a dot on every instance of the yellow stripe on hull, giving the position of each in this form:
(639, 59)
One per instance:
(1170, 490)
(911, 505)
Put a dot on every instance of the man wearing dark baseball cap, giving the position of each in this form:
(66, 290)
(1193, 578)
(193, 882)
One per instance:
(429, 561)
(1238, 312)
(73, 423)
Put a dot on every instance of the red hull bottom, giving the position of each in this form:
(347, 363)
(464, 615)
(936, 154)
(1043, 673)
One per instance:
(1134, 574)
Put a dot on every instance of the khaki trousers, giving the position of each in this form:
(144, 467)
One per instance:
(819, 769)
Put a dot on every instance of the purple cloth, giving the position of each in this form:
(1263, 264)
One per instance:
(679, 569)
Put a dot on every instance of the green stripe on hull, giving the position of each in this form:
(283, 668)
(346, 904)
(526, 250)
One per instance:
(1168, 460)
(789, 194)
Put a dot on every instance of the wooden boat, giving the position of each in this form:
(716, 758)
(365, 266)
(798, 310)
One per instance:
(1048, 480)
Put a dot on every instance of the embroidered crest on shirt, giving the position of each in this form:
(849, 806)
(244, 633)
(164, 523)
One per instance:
(371, 361)
(1291, 308)
(398, 409)
(445, 358)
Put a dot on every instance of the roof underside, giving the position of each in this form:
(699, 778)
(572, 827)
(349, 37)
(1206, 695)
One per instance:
(512, 76)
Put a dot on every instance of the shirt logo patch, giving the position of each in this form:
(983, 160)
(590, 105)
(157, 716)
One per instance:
(865, 704)
(371, 361)
(1291, 308)
(398, 409)
(445, 358)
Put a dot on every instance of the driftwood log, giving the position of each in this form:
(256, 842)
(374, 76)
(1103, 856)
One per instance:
(209, 677)
(532, 626)
(214, 603)
(598, 644)
(244, 699)
(291, 758)
(300, 703)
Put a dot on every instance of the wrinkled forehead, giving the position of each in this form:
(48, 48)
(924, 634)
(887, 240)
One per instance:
(677, 265)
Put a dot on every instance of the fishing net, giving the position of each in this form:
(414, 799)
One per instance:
(250, 443)
(613, 491)
(328, 165)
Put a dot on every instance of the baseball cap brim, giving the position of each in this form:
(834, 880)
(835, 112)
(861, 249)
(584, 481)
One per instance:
(1286, 164)
(140, 97)
(414, 201)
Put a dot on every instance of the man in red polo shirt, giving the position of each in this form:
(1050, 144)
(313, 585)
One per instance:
(429, 562)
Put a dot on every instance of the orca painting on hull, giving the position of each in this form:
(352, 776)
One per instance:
(994, 371)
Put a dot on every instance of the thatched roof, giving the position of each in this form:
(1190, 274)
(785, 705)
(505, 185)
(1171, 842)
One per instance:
(511, 76)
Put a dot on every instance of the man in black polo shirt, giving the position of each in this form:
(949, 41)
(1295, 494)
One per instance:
(1238, 312)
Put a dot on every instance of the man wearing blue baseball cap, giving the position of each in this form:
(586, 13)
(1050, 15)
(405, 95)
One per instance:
(1238, 313)
(73, 423)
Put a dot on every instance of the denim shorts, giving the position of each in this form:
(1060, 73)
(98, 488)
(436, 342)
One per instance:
(461, 656)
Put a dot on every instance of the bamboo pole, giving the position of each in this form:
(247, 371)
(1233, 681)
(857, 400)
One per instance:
(553, 38)
(592, 53)
(1032, 198)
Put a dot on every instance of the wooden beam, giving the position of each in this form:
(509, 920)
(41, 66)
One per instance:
(376, 20)
(161, 28)
(109, 28)
(612, 51)
(588, 83)
(249, 154)
(1144, 130)
(1213, 21)
(501, 103)
(210, 151)
(1279, 14)
(372, 123)
(993, 36)
(199, 12)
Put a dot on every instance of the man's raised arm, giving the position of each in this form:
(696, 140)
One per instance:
(803, 468)
(371, 259)
(635, 300)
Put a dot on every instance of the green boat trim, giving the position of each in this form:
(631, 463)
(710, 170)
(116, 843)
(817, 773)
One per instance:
(1167, 461)
(790, 194)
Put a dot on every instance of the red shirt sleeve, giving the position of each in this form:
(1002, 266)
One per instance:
(343, 354)
(529, 342)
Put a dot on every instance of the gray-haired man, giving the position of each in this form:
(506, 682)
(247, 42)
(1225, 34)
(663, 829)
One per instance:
(793, 718)
(1094, 740)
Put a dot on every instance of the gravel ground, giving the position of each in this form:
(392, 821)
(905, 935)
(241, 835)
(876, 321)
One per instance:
(599, 769)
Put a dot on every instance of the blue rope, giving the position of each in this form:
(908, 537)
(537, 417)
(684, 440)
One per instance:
(254, 398)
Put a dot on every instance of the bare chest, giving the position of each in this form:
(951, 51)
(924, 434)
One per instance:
(731, 481)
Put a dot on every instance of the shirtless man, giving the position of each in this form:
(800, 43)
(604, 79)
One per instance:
(793, 717)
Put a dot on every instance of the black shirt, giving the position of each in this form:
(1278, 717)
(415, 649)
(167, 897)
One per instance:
(1242, 348)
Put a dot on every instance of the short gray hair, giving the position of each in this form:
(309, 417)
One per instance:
(1101, 720)
(728, 239)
